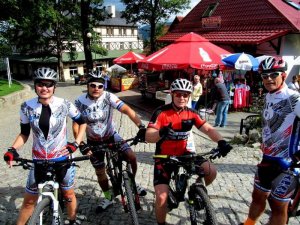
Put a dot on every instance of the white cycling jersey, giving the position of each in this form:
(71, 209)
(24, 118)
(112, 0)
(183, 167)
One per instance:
(48, 147)
(281, 124)
(98, 114)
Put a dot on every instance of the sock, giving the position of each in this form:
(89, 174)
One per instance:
(108, 195)
(249, 222)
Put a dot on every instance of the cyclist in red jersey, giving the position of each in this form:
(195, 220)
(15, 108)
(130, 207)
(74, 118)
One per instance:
(170, 127)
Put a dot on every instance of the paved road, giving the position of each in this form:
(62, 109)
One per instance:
(230, 193)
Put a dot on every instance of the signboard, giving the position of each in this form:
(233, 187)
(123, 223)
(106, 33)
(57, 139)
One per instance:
(211, 22)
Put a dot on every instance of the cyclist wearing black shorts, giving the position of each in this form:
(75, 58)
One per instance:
(97, 107)
(170, 127)
(46, 115)
(280, 144)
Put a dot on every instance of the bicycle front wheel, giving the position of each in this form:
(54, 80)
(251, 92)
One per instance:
(202, 211)
(43, 214)
(129, 193)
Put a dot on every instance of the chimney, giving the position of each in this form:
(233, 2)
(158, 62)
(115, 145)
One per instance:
(111, 9)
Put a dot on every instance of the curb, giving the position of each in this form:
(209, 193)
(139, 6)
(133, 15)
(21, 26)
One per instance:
(16, 97)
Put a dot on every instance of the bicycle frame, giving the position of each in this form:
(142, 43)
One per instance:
(48, 189)
(119, 172)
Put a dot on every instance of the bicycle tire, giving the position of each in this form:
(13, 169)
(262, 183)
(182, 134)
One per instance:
(45, 207)
(130, 199)
(205, 213)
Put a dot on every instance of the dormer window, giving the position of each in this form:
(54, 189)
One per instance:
(210, 9)
(293, 4)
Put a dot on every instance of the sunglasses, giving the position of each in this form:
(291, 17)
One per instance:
(47, 85)
(271, 75)
(179, 95)
(100, 86)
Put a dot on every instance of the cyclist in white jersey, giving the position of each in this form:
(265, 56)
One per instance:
(46, 116)
(280, 140)
(97, 108)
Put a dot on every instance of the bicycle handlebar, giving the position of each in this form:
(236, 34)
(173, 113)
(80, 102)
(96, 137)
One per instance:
(106, 146)
(213, 154)
(25, 162)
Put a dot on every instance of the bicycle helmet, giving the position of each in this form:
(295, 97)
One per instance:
(273, 64)
(45, 73)
(95, 76)
(181, 85)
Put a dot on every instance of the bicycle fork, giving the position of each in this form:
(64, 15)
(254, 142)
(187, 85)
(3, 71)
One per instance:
(54, 197)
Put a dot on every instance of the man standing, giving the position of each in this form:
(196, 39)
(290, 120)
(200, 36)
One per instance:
(170, 127)
(280, 140)
(46, 115)
(197, 91)
(221, 96)
(96, 107)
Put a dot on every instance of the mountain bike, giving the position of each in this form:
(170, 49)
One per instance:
(50, 202)
(293, 210)
(200, 207)
(121, 176)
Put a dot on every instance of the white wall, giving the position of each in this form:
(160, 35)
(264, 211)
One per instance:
(290, 52)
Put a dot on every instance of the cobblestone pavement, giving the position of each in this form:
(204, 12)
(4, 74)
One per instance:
(230, 192)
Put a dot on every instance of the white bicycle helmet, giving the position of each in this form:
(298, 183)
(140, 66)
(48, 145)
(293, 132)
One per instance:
(96, 76)
(45, 73)
(272, 64)
(181, 85)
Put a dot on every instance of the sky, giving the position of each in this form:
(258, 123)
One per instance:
(120, 6)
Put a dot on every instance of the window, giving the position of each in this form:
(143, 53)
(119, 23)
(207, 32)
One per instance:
(109, 31)
(124, 31)
(73, 71)
(210, 9)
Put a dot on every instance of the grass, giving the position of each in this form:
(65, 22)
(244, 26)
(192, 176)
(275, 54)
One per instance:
(5, 89)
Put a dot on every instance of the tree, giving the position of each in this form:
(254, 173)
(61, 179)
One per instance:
(48, 28)
(152, 12)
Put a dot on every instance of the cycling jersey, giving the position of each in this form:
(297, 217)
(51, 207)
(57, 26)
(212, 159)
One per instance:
(182, 122)
(98, 114)
(281, 125)
(48, 147)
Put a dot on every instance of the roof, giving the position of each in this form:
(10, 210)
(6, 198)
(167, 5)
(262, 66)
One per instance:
(80, 57)
(116, 21)
(262, 21)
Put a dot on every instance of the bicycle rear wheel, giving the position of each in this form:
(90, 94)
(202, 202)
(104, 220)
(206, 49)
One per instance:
(43, 214)
(129, 194)
(202, 211)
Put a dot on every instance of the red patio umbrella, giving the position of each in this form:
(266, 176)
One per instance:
(129, 58)
(188, 51)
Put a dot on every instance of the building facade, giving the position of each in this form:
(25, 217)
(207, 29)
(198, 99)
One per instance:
(114, 34)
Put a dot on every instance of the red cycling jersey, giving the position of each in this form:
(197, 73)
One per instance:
(182, 122)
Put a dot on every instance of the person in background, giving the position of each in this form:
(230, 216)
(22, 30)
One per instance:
(46, 115)
(97, 107)
(197, 91)
(221, 96)
(170, 127)
(273, 183)
(106, 77)
(294, 84)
